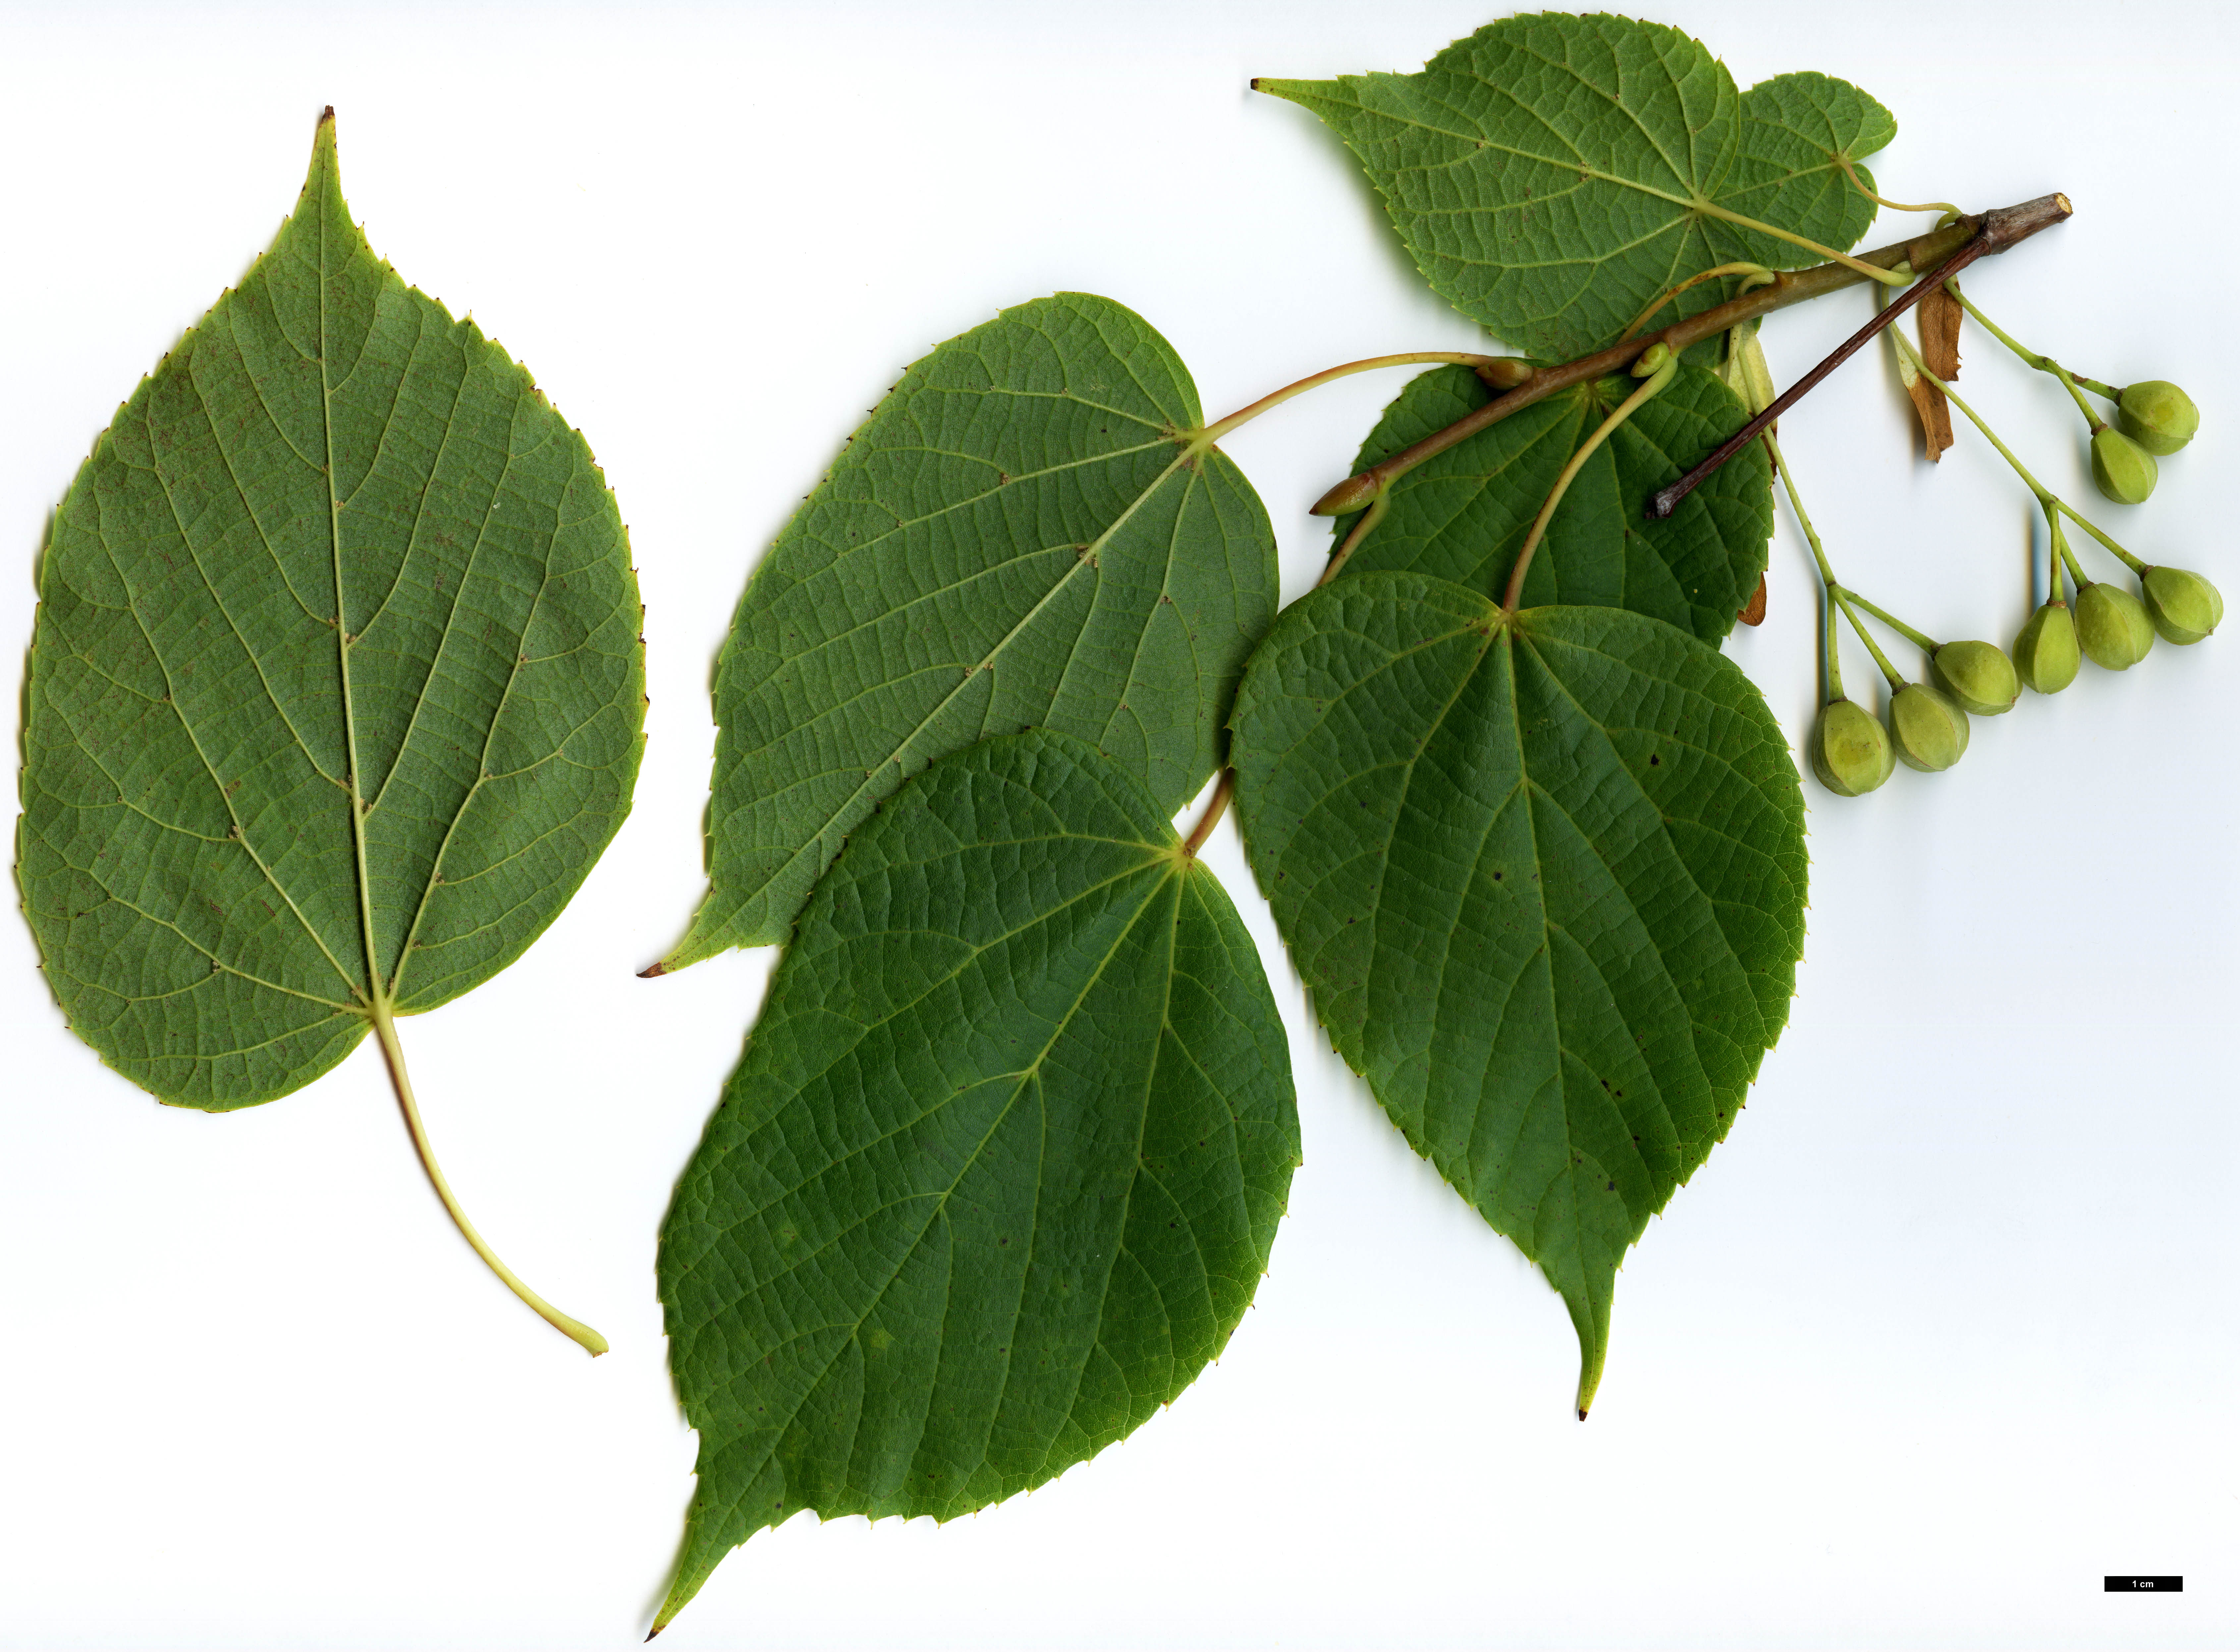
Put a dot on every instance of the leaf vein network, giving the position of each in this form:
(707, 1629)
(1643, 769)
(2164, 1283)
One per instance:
(482, 764)
(942, 1200)
(187, 545)
(195, 740)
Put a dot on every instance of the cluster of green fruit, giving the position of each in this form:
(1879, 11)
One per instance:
(1852, 751)
(2155, 417)
(2112, 627)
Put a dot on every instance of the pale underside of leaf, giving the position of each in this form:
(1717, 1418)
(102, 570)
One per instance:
(1545, 879)
(1553, 175)
(999, 1169)
(1462, 515)
(1024, 534)
(336, 557)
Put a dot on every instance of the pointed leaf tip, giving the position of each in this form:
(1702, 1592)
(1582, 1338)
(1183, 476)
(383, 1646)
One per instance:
(273, 788)
(1147, 1229)
(1629, 729)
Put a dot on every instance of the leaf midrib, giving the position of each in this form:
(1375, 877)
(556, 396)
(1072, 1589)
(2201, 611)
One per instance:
(1527, 786)
(1696, 202)
(194, 739)
(377, 999)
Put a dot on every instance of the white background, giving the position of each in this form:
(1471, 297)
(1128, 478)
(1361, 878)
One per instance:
(1942, 1333)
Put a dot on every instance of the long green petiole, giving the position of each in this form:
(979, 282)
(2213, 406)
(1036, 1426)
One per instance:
(1873, 272)
(1859, 184)
(1758, 273)
(1649, 386)
(384, 1030)
(1507, 366)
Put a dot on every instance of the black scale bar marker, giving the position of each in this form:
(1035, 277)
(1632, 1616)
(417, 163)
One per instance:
(2144, 1585)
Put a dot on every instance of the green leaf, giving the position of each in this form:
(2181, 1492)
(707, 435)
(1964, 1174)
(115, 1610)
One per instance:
(1794, 129)
(1553, 175)
(1544, 876)
(336, 691)
(1462, 514)
(1029, 531)
(999, 1169)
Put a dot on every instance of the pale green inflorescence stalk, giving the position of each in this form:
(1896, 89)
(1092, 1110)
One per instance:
(2050, 501)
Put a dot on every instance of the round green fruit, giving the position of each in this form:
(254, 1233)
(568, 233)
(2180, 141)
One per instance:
(1850, 750)
(2122, 470)
(2184, 607)
(1927, 728)
(2112, 627)
(2158, 415)
(1977, 676)
(2046, 652)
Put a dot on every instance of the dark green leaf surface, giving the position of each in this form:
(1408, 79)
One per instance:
(1462, 515)
(1026, 533)
(1545, 879)
(999, 1169)
(1551, 175)
(337, 687)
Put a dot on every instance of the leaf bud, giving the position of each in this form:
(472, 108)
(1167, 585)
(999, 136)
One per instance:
(1979, 676)
(2122, 470)
(1850, 750)
(1927, 728)
(2112, 627)
(1651, 359)
(2184, 607)
(2046, 653)
(1504, 372)
(2158, 415)
(1355, 493)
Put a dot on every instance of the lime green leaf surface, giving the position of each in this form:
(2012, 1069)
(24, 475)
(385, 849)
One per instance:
(336, 691)
(1553, 175)
(1545, 879)
(999, 1169)
(1462, 515)
(1025, 534)
(1796, 131)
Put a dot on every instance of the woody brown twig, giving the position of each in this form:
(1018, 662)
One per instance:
(1987, 233)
